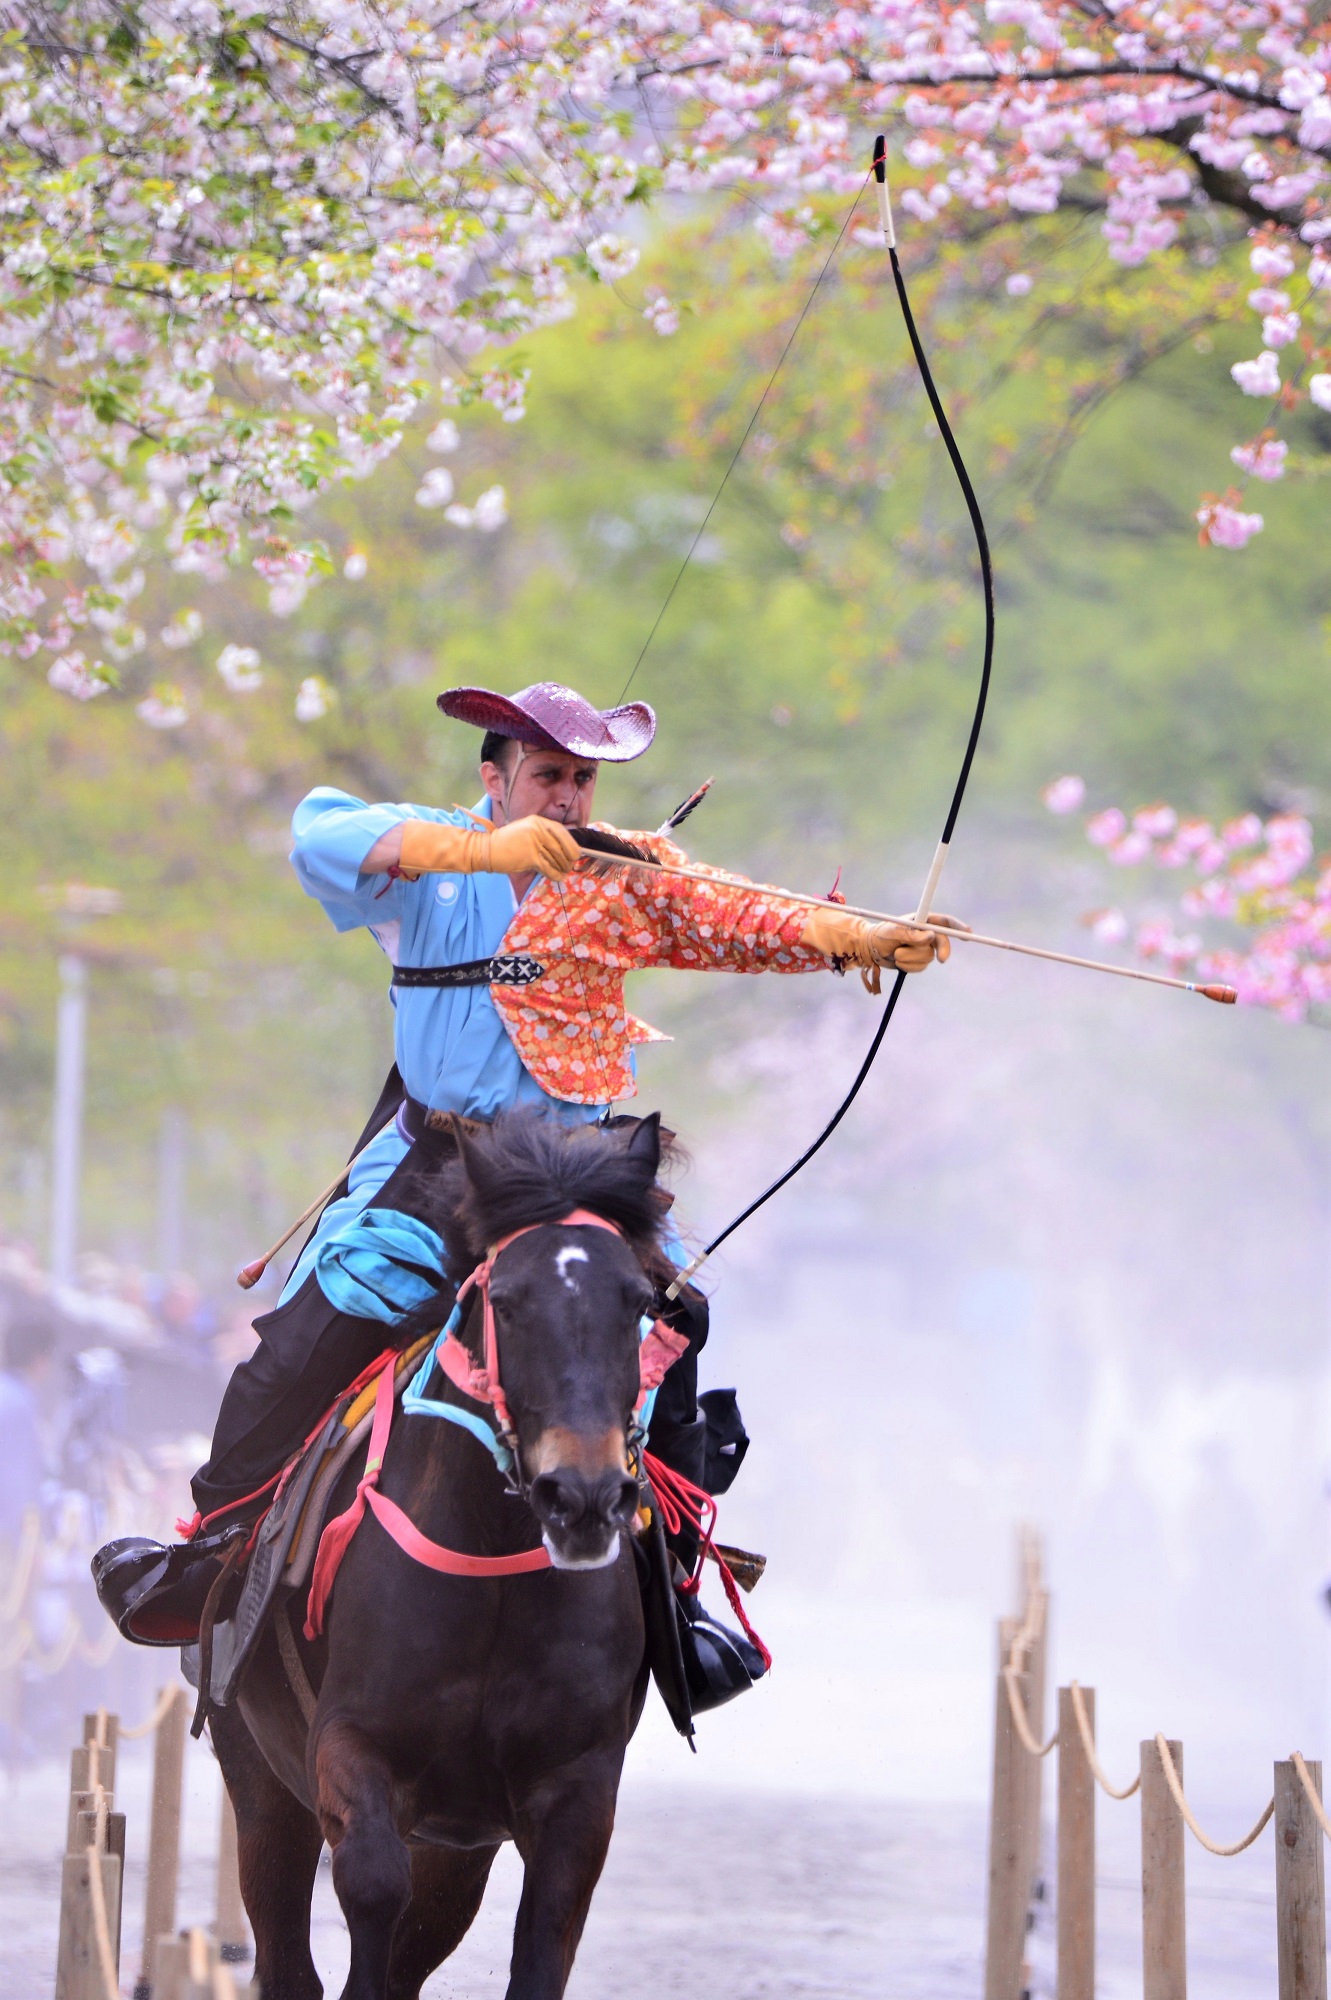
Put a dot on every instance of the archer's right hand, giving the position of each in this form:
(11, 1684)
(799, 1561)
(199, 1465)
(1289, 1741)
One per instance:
(530, 846)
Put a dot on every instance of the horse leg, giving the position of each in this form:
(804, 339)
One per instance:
(371, 1865)
(447, 1885)
(279, 1844)
(563, 1838)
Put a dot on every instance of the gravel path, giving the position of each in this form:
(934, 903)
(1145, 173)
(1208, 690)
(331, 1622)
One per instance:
(751, 1896)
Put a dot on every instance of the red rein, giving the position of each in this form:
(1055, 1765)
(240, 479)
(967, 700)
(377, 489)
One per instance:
(680, 1500)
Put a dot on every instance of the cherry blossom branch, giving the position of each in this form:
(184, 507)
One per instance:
(1255, 880)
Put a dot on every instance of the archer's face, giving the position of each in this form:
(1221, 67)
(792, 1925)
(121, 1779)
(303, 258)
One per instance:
(546, 782)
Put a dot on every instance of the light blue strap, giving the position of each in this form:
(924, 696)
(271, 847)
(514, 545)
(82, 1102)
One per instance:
(417, 1404)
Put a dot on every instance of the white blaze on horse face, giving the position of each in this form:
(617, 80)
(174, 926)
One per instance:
(563, 1259)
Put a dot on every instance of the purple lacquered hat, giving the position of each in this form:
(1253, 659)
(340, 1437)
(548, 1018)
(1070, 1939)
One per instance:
(552, 717)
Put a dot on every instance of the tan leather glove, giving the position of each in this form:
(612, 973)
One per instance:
(859, 941)
(531, 845)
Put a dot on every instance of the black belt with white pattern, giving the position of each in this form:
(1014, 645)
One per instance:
(511, 970)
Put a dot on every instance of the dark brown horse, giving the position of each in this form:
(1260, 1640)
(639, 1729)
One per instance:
(454, 1713)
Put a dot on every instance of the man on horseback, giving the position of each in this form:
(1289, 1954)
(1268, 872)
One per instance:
(509, 944)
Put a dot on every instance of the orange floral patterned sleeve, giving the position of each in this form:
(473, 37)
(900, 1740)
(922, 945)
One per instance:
(571, 1027)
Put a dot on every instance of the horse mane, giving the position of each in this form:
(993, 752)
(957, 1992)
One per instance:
(528, 1168)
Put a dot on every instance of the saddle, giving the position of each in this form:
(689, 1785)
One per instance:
(283, 1546)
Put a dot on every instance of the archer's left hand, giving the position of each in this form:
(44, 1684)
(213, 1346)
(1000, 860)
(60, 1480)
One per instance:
(903, 947)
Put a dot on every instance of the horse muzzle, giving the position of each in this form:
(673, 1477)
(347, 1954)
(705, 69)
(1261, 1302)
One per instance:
(582, 1514)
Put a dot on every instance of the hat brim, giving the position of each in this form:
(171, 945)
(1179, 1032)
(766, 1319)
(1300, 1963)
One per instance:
(609, 736)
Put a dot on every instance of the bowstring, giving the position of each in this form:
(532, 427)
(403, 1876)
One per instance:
(689, 553)
(735, 456)
(963, 779)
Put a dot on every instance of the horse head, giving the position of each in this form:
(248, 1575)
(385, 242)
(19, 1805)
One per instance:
(568, 1299)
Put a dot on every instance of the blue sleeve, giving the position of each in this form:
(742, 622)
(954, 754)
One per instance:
(333, 833)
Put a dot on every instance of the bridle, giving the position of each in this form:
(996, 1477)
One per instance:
(659, 1346)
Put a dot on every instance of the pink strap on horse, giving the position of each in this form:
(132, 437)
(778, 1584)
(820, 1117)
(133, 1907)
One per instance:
(336, 1537)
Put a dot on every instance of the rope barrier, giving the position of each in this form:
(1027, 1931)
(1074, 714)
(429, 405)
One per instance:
(73, 1639)
(29, 1543)
(170, 1694)
(1211, 1846)
(1088, 1745)
(1016, 1816)
(1305, 1779)
(1018, 1707)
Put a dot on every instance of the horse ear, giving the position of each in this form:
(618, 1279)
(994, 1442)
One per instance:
(644, 1148)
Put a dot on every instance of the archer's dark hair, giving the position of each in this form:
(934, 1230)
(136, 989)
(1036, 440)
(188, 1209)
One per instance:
(495, 748)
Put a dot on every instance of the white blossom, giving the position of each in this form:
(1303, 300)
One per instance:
(239, 668)
(314, 698)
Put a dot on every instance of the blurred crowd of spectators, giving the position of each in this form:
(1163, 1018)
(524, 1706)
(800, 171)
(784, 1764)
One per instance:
(108, 1389)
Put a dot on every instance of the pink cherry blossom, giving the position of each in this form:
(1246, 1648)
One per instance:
(1245, 831)
(1256, 880)
(1106, 827)
(1064, 795)
(1156, 822)
(1272, 260)
(1280, 328)
(1158, 939)
(1264, 458)
(1226, 526)
(1259, 377)
(661, 315)
(72, 675)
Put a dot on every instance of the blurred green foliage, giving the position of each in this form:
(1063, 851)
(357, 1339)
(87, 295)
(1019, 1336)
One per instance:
(819, 656)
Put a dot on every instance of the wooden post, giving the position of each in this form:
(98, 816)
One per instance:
(79, 1803)
(78, 1971)
(1076, 1852)
(1035, 1712)
(113, 1844)
(1164, 1932)
(189, 1968)
(1300, 1888)
(159, 1910)
(90, 1843)
(233, 1938)
(107, 1746)
(1008, 1886)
